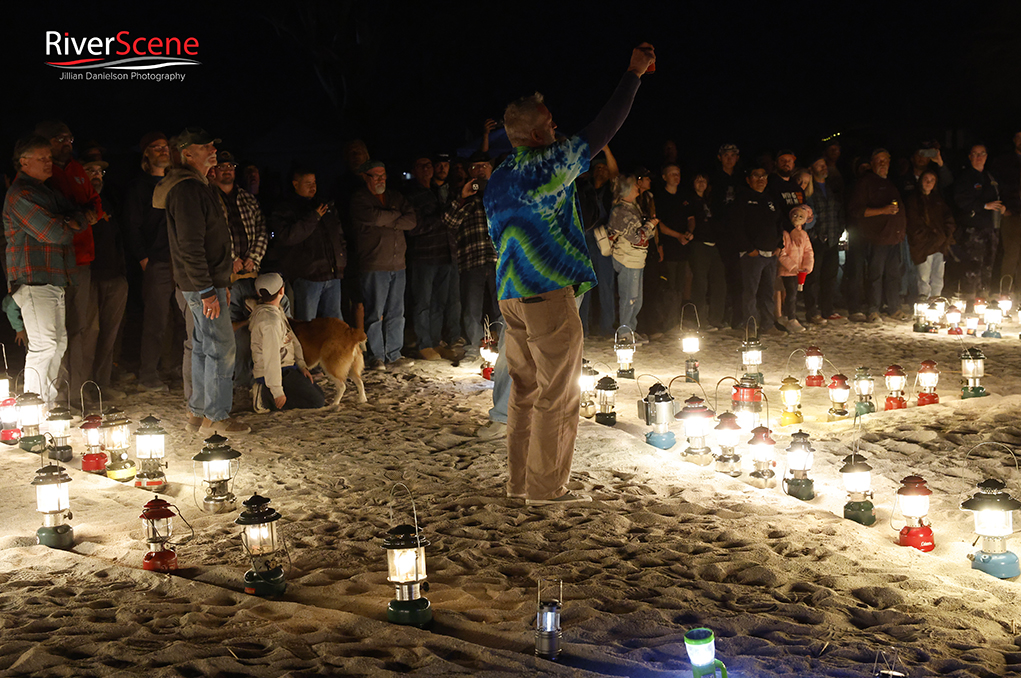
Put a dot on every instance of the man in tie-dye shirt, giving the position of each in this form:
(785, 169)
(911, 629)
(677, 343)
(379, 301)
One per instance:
(543, 264)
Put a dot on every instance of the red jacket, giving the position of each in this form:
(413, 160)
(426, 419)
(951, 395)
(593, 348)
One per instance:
(75, 185)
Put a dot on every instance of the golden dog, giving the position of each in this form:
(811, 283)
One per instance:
(337, 347)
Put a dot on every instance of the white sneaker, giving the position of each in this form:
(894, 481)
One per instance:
(793, 325)
(492, 431)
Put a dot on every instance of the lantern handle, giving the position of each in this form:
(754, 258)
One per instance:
(1009, 286)
(81, 394)
(704, 394)
(765, 397)
(716, 393)
(68, 390)
(994, 442)
(184, 541)
(594, 365)
(538, 592)
(414, 509)
(698, 323)
(651, 376)
(47, 437)
(787, 367)
(22, 375)
(751, 319)
(617, 333)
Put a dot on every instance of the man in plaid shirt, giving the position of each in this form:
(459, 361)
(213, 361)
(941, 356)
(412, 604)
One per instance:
(476, 257)
(39, 224)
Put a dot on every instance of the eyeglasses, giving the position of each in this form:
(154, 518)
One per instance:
(65, 139)
(227, 166)
(162, 148)
(95, 171)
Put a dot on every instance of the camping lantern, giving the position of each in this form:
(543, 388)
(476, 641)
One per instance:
(489, 351)
(52, 501)
(405, 562)
(697, 418)
(800, 455)
(751, 359)
(625, 350)
(994, 318)
(691, 344)
(94, 460)
(728, 435)
(58, 422)
(857, 475)
(762, 446)
(896, 382)
(746, 402)
(954, 320)
(864, 387)
(913, 497)
(839, 393)
(220, 465)
(813, 364)
(935, 314)
(547, 622)
(158, 524)
(587, 384)
(9, 418)
(150, 448)
(701, 647)
(920, 324)
(971, 324)
(994, 522)
(657, 410)
(980, 307)
(790, 396)
(928, 377)
(259, 520)
(30, 417)
(973, 368)
(1004, 300)
(116, 436)
(606, 395)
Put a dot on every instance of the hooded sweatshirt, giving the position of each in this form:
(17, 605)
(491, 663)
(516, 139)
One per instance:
(197, 231)
(274, 346)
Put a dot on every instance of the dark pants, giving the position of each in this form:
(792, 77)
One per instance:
(476, 284)
(302, 393)
(790, 299)
(976, 249)
(157, 292)
(430, 285)
(734, 306)
(673, 295)
(452, 307)
(109, 297)
(875, 273)
(76, 366)
(709, 287)
(821, 284)
(606, 290)
(757, 277)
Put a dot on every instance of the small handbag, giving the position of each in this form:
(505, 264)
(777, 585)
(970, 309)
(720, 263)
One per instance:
(603, 240)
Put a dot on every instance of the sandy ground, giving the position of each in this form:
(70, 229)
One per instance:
(789, 587)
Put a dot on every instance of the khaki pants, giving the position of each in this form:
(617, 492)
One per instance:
(544, 351)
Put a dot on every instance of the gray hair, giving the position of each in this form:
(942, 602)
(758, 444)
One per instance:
(25, 147)
(521, 117)
(623, 185)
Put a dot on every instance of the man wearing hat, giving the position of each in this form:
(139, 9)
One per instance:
(282, 379)
(379, 218)
(109, 282)
(201, 257)
(145, 232)
(70, 179)
(476, 257)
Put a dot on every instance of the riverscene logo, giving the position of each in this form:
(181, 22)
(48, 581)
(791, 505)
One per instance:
(120, 57)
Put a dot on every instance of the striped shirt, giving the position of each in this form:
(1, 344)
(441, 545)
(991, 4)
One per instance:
(535, 223)
(39, 242)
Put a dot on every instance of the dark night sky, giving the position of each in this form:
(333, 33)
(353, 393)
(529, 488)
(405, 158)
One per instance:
(411, 77)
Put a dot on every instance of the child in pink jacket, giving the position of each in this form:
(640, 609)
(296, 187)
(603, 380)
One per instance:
(795, 262)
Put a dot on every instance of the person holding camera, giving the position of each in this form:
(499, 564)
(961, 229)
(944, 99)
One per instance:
(476, 258)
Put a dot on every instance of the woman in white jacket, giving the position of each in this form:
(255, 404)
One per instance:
(282, 380)
(630, 233)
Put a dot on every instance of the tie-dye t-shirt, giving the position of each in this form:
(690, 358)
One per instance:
(535, 223)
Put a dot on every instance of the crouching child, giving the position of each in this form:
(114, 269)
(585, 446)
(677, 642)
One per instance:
(282, 380)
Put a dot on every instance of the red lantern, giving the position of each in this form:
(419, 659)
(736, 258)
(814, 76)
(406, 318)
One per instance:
(896, 382)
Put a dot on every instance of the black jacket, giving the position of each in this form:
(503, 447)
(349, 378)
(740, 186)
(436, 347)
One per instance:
(757, 221)
(145, 227)
(305, 245)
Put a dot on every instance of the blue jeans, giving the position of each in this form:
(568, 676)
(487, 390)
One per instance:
(314, 299)
(430, 285)
(384, 314)
(757, 277)
(606, 288)
(212, 359)
(630, 284)
(501, 383)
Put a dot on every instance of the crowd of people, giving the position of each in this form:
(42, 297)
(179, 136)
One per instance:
(739, 241)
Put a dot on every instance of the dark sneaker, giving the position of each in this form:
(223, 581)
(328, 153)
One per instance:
(857, 317)
(403, 361)
(377, 365)
(874, 318)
